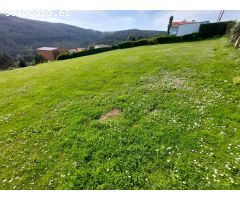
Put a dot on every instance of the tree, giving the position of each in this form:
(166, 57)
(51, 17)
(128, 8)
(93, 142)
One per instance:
(169, 24)
(131, 38)
(90, 47)
(6, 61)
(22, 63)
(38, 59)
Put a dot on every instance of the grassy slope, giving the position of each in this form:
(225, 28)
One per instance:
(179, 128)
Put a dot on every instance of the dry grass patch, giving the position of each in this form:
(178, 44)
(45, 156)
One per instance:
(110, 114)
(236, 80)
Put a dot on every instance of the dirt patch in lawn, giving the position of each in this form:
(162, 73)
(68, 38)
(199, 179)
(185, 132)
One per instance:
(110, 114)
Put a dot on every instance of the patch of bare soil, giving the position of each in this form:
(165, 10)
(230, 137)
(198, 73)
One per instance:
(110, 114)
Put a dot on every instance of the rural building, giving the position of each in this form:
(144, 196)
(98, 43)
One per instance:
(101, 46)
(185, 27)
(50, 53)
(76, 50)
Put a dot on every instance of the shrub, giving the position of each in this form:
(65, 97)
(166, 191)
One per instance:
(214, 29)
(159, 40)
(127, 44)
(22, 63)
(131, 38)
(84, 53)
(167, 39)
(142, 42)
(6, 61)
(38, 59)
(234, 34)
(191, 37)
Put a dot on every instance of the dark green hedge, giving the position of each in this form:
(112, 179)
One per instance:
(159, 40)
(214, 29)
(84, 53)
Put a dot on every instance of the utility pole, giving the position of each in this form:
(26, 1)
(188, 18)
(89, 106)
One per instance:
(220, 15)
(169, 24)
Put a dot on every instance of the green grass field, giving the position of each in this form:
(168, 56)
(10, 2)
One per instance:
(175, 120)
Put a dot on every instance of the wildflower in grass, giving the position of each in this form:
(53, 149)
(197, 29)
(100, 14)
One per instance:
(227, 166)
(231, 180)
(237, 159)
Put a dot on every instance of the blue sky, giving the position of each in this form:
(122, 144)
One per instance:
(119, 20)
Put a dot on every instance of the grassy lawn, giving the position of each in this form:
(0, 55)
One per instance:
(151, 117)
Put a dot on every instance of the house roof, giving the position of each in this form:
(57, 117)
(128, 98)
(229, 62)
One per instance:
(47, 48)
(181, 23)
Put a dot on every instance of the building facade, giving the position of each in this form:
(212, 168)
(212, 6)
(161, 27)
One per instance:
(185, 27)
(50, 53)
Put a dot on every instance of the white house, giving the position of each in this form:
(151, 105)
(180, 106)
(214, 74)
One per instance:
(76, 50)
(99, 46)
(185, 27)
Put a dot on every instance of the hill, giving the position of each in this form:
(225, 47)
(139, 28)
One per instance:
(125, 119)
(20, 36)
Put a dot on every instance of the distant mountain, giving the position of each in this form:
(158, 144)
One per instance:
(20, 36)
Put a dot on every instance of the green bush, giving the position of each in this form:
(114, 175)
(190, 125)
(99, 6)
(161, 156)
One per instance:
(22, 63)
(65, 56)
(234, 33)
(127, 44)
(214, 29)
(159, 40)
(6, 61)
(190, 37)
(167, 39)
(38, 59)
